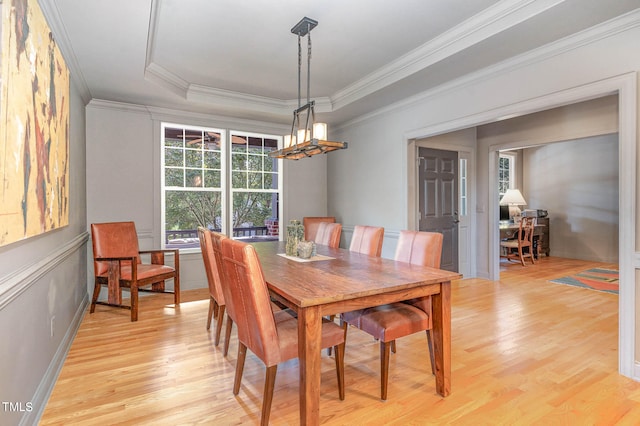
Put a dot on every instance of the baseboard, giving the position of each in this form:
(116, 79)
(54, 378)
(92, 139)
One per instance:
(41, 396)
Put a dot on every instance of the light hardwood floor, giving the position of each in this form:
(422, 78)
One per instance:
(524, 351)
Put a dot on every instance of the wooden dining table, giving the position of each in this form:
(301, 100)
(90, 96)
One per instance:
(342, 281)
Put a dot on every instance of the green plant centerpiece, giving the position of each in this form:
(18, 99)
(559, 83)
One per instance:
(295, 234)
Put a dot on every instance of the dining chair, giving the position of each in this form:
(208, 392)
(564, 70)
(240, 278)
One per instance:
(367, 240)
(521, 247)
(311, 224)
(117, 264)
(216, 240)
(271, 336)
(389, 322)
(214, 278)
(328, 234)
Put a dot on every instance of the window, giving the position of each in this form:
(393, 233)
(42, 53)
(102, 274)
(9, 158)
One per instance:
(195, 186)
(464, 198)
(506, 172)
(254, 183)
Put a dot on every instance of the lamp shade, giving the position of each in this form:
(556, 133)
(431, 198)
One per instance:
(512, 197)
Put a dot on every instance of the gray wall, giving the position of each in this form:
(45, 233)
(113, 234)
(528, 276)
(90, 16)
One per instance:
(123, 174)
(577, 182)
(43, 294)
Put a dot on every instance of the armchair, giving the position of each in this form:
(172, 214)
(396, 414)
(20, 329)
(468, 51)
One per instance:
(117, 264)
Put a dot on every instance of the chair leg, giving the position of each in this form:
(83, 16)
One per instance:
(340, 369)
(521, 256)
(432, 357)
(134, 302)
(242, 354)
(212, 310)
(176, 287)
(96, 293)
(393, 346)
(269, 383)
(227, 335)
(219, 321)
(384, 369)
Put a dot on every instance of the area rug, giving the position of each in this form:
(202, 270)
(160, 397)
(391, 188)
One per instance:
(595, 279)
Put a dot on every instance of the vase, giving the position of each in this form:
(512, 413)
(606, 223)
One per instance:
(306, 249)
(295, 234)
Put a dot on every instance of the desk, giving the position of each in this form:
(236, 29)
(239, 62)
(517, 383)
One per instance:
(347, 282)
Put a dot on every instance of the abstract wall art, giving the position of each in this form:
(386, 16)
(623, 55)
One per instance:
(34, 125)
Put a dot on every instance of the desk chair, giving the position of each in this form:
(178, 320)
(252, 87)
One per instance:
(521, 247)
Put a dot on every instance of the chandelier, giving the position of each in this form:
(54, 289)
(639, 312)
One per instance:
(307, 137)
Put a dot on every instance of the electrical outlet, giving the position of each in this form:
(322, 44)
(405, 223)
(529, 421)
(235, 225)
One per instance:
(53, 325)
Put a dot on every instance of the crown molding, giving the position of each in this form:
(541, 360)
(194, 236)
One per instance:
(591, 35)
(52, 15)
(491, 21)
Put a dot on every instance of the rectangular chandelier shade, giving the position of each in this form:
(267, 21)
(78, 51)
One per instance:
(307, 138)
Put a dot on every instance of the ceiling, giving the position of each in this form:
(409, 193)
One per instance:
(239, 57)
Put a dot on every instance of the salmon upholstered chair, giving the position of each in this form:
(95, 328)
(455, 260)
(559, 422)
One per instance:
(214, 277)
(329, 234)
(117, 264)
(367, 240)
(216, 239)
(389, 322)
(271, 336)
(311, 224)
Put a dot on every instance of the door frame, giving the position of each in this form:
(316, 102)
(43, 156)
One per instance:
(625, 86)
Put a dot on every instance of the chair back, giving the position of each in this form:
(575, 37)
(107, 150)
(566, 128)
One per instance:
(525, 233)
(210, 265)
(329, 234)
(311, 224)
(420, 248)
(113, 239)
(367, 240)
(247, 293)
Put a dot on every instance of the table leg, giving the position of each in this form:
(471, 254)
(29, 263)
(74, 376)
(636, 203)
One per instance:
(441, 305)
(309, 342)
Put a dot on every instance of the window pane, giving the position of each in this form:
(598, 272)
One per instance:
(239, 179)
(194, 178)
(212, 159)
(252, 211)
(193, 158)
(174, 177)
(212, 179)
(185, 211)
(255, 180)
(173, 157)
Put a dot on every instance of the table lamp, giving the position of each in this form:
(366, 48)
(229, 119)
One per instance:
(513, 198)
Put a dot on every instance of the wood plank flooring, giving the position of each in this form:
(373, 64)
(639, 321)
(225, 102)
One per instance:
(524, 351)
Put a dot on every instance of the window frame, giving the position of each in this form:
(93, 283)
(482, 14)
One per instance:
(225, 188)
(511, 157)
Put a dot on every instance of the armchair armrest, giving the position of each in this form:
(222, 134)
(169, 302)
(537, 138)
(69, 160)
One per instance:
(157, 256)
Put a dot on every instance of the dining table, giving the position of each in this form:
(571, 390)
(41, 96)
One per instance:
(337, 280)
